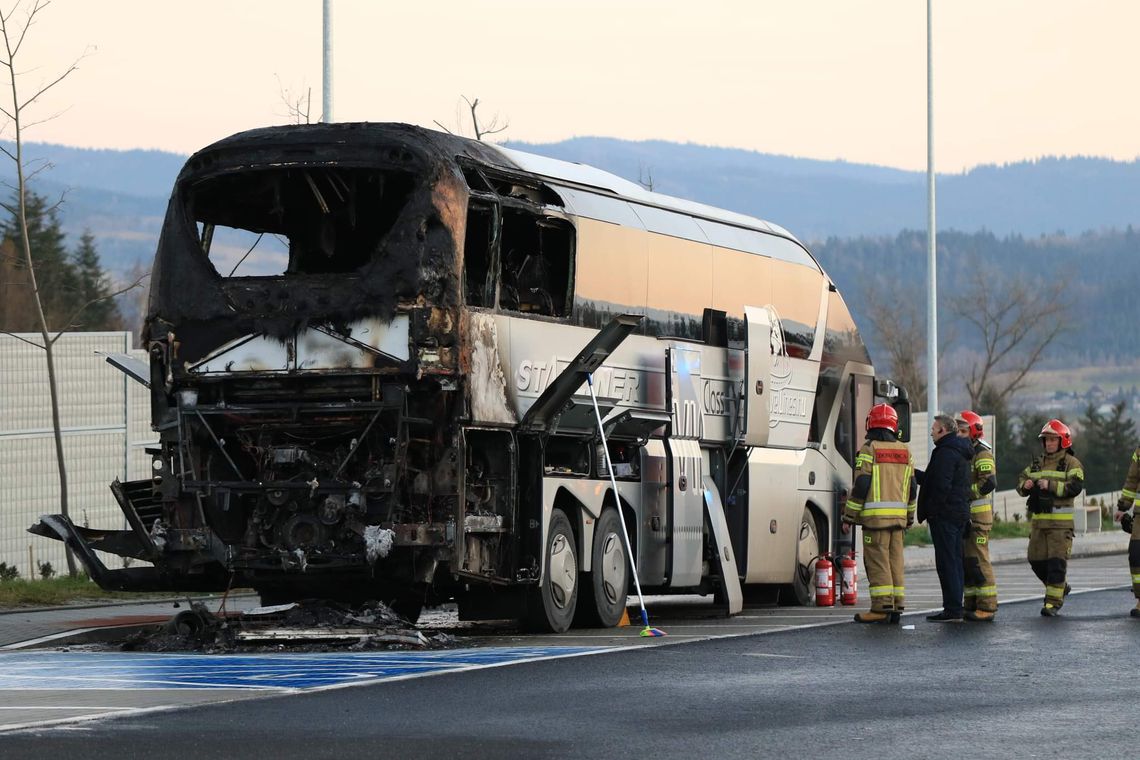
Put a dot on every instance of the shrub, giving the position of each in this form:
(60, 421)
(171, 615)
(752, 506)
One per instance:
(46, 570)
(8, 572)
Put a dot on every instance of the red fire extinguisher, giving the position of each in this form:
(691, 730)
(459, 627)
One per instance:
(825, 582)
(849, 593)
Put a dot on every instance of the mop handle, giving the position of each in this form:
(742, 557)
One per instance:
(617, 498)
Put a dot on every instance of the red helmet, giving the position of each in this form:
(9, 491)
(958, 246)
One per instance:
(1058, 429)
(883, 416)
(972, 421)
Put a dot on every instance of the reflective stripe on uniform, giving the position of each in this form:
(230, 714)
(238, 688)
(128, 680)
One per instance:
(882, 591)
(971, 591)
(987, 591)
(1056, 514)
(979, 506)
(854, 506)
(1136, 577)
(1076, 472)
(1055, 592)
(1128, 495)
(884, 509)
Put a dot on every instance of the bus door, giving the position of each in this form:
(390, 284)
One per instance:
(685, 464)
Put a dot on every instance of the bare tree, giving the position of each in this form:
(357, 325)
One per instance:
(480, 130)
(14, 32)
(297, 107)
(645, 176)
(901, 332)
(1017, 319)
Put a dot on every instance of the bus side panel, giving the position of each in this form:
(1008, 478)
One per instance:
(774, 510)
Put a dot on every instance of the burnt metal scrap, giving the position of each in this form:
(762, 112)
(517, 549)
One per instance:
(307, 625)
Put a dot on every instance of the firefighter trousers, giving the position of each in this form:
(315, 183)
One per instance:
(981, 584)
(883, 559)
(1134, 556)
(1049, 551)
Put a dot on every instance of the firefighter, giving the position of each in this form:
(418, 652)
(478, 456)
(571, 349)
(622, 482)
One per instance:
(981, 585)
(1051, 482)
(883, 502)
(1128, 500)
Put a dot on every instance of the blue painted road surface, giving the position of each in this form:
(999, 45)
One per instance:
(130, 670)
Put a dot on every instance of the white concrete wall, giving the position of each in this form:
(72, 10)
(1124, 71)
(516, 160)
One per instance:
(105, 418)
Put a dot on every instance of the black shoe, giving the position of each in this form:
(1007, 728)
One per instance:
(945, 617)
(1135, 612)
(1050, 611)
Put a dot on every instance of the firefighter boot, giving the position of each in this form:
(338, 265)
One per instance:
(1049, 610)
(979, 616)
(1136, 610)
(896, 618)
(873, 617)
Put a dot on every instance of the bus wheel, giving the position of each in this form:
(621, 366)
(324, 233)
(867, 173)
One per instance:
(603, 599)
(552, 605)
(807, 548)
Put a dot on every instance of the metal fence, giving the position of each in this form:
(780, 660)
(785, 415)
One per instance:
(105, 418)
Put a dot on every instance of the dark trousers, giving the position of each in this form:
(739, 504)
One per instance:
(947, 536)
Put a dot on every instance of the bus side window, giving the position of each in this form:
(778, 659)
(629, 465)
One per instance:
(537, 263)
(845, 425)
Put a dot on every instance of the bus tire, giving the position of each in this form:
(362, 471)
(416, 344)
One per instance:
(552, 605)
(807, 549)
(604, 595)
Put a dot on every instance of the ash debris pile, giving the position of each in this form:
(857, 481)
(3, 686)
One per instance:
(311, 625)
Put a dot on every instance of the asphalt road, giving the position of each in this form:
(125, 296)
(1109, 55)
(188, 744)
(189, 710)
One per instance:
(1025, 686)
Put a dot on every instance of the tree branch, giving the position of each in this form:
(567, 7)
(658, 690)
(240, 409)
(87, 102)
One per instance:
(25, 340)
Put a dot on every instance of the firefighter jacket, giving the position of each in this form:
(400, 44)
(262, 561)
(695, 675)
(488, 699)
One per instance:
(983, 485)
(1053, 505)
(883, 494)
(1131, 482)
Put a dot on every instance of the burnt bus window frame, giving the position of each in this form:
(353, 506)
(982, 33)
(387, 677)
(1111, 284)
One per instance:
(356, 207)
(529, 235)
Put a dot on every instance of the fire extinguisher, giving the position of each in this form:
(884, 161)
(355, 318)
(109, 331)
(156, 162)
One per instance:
(849, 593)
(825, 581)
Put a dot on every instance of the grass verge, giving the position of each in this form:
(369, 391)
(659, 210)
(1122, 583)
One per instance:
(919, 535)
(19, 592)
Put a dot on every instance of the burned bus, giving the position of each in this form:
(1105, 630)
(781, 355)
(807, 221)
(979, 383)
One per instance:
(368, 347)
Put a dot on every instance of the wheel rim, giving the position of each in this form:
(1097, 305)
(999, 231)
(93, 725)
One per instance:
(613, 568)
(563, 571)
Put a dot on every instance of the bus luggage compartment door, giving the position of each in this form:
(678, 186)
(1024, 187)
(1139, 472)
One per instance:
(757, 375)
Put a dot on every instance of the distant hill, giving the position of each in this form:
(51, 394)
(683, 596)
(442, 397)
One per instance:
(121, 196)
(820, 199)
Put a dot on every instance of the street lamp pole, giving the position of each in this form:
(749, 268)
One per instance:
(326, 68)
(932, 256)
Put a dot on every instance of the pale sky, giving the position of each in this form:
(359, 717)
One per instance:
(1014, 79)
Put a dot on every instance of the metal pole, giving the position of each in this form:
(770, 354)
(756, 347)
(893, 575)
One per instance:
(326, 54)
(932, 256)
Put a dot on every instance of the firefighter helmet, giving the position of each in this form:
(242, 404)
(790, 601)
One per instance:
(972, 421)
(883, 416)
(1058, 429)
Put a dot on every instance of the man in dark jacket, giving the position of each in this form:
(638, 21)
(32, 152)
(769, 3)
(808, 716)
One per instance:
(944, 502)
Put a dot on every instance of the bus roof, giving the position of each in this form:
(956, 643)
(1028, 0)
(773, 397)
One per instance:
(583, 174)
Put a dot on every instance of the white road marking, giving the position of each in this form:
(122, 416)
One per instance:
(781, 656)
